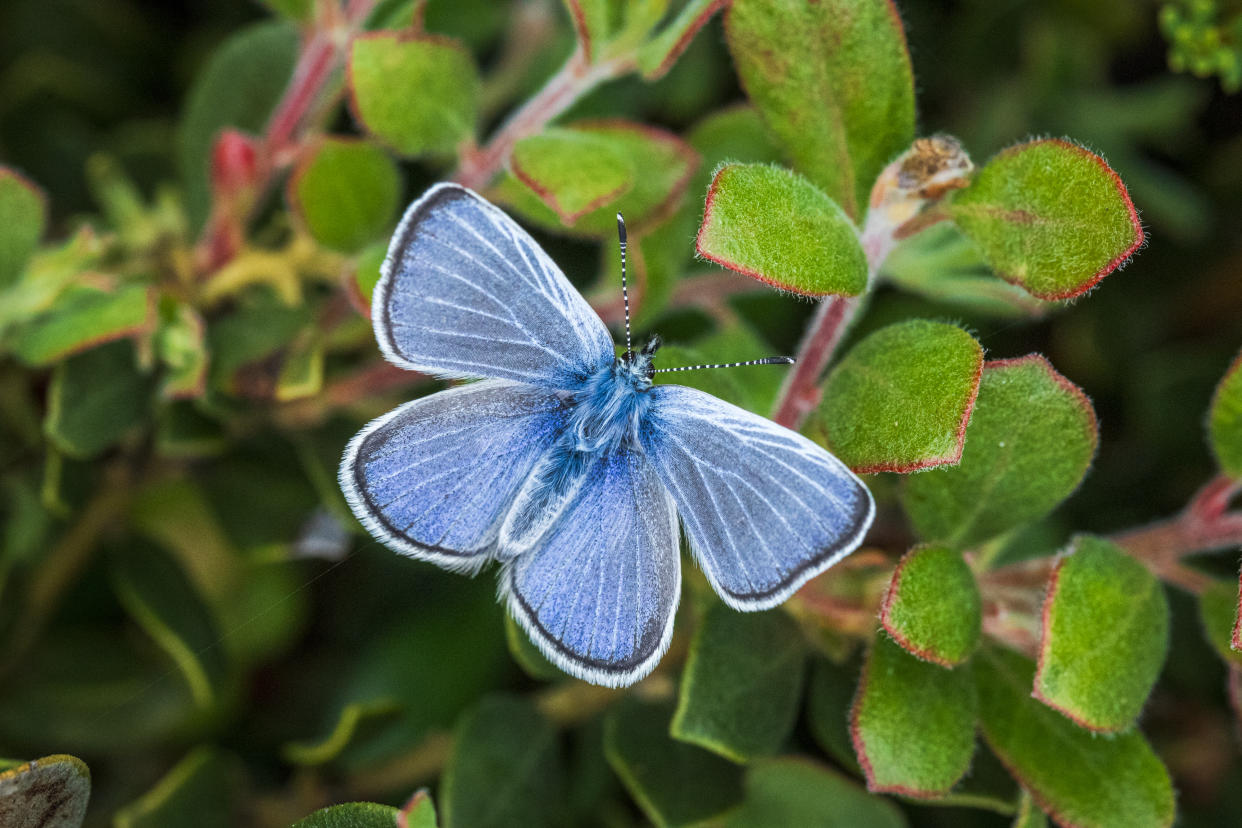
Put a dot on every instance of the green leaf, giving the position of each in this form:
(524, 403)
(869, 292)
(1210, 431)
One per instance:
(829, 697)
(1049, 216)
(1105, 636)
(833, 82)
(83, 318)
(791, 791)
(51, 792)
(345, 192)
(943, 265)
(901, 398)
(1075, 776)
(505, 768)
(419, 811)
(1030, 441)
(200, 790)
(156, 592)
(1225, 421)
(657, 55)
(301, 375)
(1219, 611)
(663, 164)
(94, 399)
(933, 608)
(248, 335)
(913, 723)
(181, 343)
(1029, 815)
(674, 783)
(49, 275)
(417, 94)
(773, 225)
(353, 815)
(23, 217)
(239, 87)
(299, 10)
(572, 171)
(743, 678)
(355, 721)
(366, 276)
(527, 655)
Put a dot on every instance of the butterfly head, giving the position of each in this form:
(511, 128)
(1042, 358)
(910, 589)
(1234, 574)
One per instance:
(638, 366)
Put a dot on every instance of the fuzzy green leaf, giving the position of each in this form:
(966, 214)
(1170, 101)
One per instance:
(901, 399)
(913, 723)
(663, 164)
(789, 791)
(51, 792)
(238, 88)
(353, 815)
(1030, 440)
(1220, 610)
(345, 192)
(834, 83)
(418, 95)
(933, 608)
(1049, 216)
(200, 790)
(355, 722)
(658, 54)
(1225, 421)
(740, 689)
(505, 768)
(83, 318)
(1105, 635)
(23, 216)
(1075, 776)
(573, 171)
(943, 265)
(94, 399)
(1029, 815)
(773, 225)
(674, 783)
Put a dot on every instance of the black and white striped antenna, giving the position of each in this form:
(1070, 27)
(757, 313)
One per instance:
(625, 293)
(764, 361)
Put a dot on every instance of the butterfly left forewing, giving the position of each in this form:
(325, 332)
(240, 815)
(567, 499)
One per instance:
(764, 508)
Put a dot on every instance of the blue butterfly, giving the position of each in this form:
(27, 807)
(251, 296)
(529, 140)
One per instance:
(566, 465)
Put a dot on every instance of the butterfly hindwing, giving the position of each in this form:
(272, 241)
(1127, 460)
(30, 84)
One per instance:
(434, 478)
(466, 292)
(598, 594)
(764, 508)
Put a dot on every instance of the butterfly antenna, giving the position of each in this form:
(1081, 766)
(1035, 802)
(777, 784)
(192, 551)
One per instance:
(764, 361)
(625, 293)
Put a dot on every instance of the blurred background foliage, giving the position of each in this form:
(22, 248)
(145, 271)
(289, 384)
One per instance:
(231, 638)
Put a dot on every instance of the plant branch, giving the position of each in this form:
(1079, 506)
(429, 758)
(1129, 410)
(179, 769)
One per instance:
(799, 394)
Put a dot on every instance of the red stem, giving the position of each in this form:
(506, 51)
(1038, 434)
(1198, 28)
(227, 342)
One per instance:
(800, 393)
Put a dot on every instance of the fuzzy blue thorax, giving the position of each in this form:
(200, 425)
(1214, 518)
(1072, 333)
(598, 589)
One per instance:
(608, 410)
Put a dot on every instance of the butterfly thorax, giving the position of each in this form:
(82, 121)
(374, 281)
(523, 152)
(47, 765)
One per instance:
(607, 412)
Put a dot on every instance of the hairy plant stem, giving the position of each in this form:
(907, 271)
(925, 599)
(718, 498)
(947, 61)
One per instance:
(799, 394)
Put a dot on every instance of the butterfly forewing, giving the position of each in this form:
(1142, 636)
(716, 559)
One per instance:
(466, 292)
(765, 509)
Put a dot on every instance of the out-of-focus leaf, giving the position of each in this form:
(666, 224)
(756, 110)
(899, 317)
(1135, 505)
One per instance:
(606, 28)
(505, 768)
(663, 164)
(366, 275)
(722, 384)
(299, 10)
(1029, 815)
(49, 274)
(773, 225)
(901, 398)
(1030, 440)
(248, 335)
(933, 608)
(355, 719)
(795, 792)
(301, 375)
(354, 815)
(200, 790)
(913, 723)
(829, 696)
(834, 83)
(51, 792)
(23, 216)
(416, 94)
(1074, 775)
(572, 171)
(1105, 636)
(674, 783)
(1219, 612)
(345, 192)
(238, 88)
(527, 655)
(944, 265)
(82, 319)
(161, 598)
(1225, 421)
(182, 431)
(740, 689)
(181, 344)
(658, 54)
(94, 399)
(733, 134)
(1049, 216)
